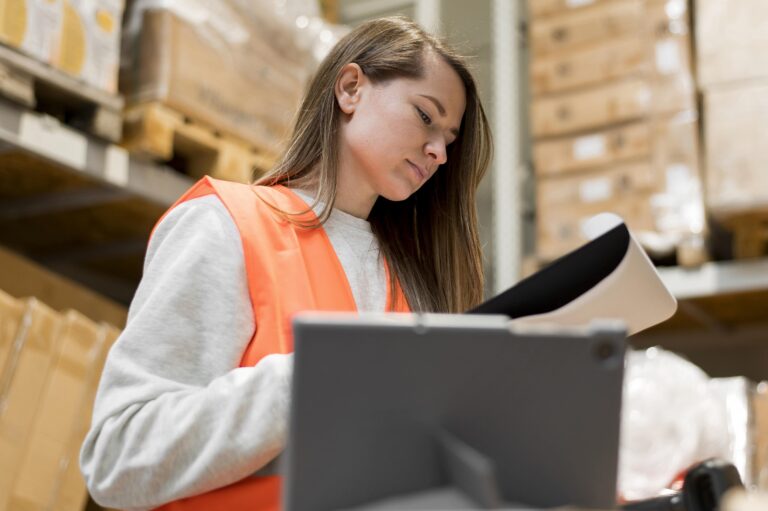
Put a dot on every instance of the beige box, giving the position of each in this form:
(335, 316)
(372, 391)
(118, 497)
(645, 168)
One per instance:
(659, 141)
(61, 404)
(544, 8)
(88, 41)
(662, 204)
(760, 434)
(11, 315)
(605, 21)
(564, 203)
(70, 492)
(736, 148)
(249, 90)
(634, 55)
(586, 26)
(25, 379)
(731, 41)
(610, 103)
(21, 277)
(31, 25)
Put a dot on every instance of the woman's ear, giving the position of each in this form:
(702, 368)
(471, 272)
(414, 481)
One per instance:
(348, 86)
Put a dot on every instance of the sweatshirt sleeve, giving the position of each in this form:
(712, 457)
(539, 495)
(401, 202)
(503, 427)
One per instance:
(174, 415)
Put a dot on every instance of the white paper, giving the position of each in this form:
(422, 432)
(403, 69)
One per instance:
(595, 190)
(589, 147)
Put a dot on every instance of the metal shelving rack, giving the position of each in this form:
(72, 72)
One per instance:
(56, 180)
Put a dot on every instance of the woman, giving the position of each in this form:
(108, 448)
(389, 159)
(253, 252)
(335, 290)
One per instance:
(370, 208)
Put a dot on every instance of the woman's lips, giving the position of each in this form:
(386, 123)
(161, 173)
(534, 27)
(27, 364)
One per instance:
(421, 173)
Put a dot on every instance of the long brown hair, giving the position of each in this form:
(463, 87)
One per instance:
(429, 240)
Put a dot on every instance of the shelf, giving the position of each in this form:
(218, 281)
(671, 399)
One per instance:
(721, 278)
(77, 204)
(48, 139)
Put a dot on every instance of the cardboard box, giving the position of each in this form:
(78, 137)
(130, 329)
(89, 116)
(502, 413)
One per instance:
(611, 103)
(585, 26)
(736, 148)
(61, 403)
(11, 316)
(731, 41)
(760, 434)
(544, 8)
(70, 493)
(635, 55)
(659, 141)
(31, 26)
(605, 21)
(25, 377)
(21, 277)
(255, 89)
(88, 41)
(662, 204)
(564, 203)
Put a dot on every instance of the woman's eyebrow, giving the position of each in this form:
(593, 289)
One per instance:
(437, 103)
(440, 110)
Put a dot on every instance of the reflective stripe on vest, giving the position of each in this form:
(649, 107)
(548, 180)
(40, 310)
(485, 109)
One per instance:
(289, 270)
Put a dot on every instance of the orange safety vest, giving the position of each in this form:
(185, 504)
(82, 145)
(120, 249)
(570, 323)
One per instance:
(289, 269)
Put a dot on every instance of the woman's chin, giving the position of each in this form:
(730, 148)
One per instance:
(400, 192)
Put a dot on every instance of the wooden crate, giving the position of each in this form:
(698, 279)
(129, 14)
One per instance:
(34, 84)
(155, 131)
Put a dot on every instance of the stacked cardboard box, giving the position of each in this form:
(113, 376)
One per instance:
(50, 364)
(80, 37)
(732, 64)
(237, 72)
(614, 120)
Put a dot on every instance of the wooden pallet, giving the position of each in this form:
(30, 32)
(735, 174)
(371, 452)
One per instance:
(749, 231)
(39, 86)
(155, 131)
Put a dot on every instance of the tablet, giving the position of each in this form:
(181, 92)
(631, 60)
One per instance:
(388, 408)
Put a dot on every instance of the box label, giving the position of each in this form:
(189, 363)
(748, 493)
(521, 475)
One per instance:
(578, 3)
(589, 147)
(595, 190)
(668, 58)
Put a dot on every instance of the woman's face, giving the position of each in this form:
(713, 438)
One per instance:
(394, 135)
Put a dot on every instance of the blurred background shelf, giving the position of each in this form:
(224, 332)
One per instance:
(717, 278)
(722, 318)
(77, 204)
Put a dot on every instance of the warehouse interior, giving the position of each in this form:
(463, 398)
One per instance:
(110, 110)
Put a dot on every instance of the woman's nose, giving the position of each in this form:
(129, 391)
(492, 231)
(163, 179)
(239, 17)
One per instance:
(437, 151)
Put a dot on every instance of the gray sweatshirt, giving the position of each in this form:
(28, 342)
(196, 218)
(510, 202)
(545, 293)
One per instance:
(174, 415)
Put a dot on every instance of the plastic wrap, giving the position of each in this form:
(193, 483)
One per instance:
(79, 37)
(731, 41)
(616, 126)
(239, 66)
(671, 419)
(736, 147)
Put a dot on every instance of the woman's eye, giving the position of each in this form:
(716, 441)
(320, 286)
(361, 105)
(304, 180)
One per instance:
(424, 117)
